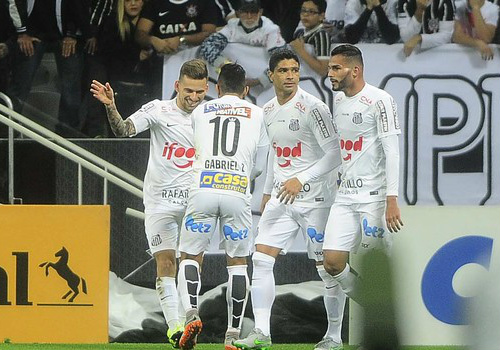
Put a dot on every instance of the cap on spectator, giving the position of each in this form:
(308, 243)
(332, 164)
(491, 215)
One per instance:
(249, 5)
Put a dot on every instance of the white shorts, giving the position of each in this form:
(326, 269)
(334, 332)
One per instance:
(280, 223)
(162, 229)
(351, 226)
(235, 222)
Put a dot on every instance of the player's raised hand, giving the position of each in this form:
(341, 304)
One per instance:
(289, 190)
(393, 214)
(104, 93)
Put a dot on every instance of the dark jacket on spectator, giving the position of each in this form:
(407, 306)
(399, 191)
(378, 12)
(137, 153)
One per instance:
(121, 58)
(39, 18)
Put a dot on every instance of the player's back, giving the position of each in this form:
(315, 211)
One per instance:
(227, 132)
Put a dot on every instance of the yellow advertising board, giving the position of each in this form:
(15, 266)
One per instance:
(54, 273)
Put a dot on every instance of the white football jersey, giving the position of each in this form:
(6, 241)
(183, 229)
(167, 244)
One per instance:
(227, 132)
(361, 121)
(268, 35)
(299, 132)
(171, 154)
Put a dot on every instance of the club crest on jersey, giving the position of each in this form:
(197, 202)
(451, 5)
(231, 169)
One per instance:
(433, 24)
(357, 118)
(191, 11)
(294, 125)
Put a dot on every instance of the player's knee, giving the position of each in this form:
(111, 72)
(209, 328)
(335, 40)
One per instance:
(263, 261)
(333, 266)
(166, 265)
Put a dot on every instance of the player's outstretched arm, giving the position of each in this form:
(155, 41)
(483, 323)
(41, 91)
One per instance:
(104, 93)
(393, 214)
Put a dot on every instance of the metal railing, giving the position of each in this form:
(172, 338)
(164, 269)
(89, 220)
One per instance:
(67, 149)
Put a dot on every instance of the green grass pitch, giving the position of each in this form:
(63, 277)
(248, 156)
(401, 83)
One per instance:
(10, 346)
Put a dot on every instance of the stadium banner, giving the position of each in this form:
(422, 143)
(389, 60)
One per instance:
(54, 273)
(442, 261)
(449, 108)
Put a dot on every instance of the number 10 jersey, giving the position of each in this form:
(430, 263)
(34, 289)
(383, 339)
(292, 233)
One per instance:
(227, 132)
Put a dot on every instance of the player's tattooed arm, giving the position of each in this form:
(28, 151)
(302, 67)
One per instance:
(120, 127)
(104, 94)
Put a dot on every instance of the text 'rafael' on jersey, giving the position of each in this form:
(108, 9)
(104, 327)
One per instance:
(171, 154)
(361, 121)
(299, 133)
(227, 132)
(173, 17)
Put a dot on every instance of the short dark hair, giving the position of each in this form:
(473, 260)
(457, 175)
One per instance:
(232, 78)
(320, 4)
(279, 55)
(194, 69)
(349, 51)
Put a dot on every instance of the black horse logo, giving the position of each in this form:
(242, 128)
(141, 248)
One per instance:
(62, 268)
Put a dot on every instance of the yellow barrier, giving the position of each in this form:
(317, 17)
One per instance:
(54, 273)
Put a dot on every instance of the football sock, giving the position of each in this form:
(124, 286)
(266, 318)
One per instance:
(350, 283)
(236, 295)
(189, 283)
(169, 300)
(334, 299)
(263, 290)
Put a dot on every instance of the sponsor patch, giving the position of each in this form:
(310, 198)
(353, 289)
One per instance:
(321, 123)
(224, 181)
(383, 116)
(235, 112)
(395, 114)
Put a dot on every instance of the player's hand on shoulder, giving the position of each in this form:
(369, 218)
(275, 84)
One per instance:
(393, 214)
(289, 190)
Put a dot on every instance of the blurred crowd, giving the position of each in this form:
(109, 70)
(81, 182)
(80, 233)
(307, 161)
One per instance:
(125, 42)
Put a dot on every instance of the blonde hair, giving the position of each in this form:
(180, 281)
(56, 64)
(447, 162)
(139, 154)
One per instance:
(123, 20)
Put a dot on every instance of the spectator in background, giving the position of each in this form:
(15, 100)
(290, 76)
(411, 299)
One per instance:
(285, 13)
(475, 25)
(168, 26)
(94, 116)
(371, 21)
(226, 12)
(312, 15)
(127, 65)
(250, 28)
(334, 19)
(7, 34)
(58, 26)
(425, 23)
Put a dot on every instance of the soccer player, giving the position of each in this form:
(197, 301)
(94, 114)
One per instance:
(297, 196)
(228, 132)
(367, 123)
(168, 175)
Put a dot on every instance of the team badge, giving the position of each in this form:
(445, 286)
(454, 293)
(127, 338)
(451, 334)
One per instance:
(433, 25)
(294, 125)
(192, 11)
(357, 118)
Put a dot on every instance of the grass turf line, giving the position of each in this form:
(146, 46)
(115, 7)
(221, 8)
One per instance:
(122, 346)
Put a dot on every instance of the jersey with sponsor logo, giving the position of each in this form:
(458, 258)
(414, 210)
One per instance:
(227, 132)
(171, 154)
(361, 121)
(299, 131)
(178, 17)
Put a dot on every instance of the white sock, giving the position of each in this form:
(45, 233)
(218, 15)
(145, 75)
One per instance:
(238, 286)
(189, 283)
(169, 300)
(263, 290)
(334, 299)
(349, 282)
